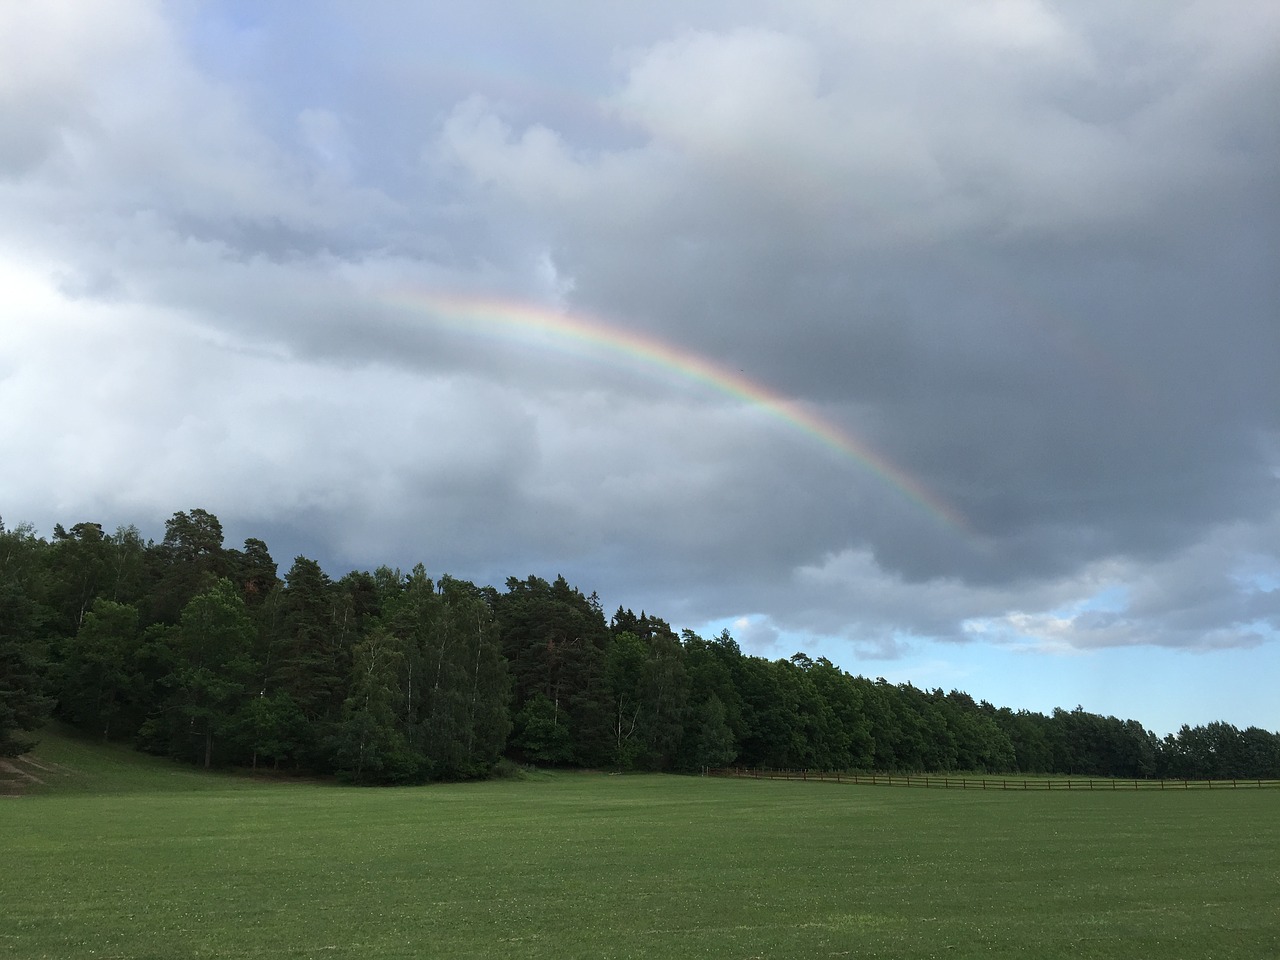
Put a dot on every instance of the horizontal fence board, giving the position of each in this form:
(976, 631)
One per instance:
(947, 782)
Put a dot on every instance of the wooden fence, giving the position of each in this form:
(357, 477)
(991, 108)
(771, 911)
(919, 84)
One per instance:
(943, 782)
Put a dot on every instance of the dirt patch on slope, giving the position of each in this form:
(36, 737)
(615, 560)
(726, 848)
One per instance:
(16, 774)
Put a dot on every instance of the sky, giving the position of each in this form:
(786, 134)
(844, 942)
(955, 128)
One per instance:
(937, 339)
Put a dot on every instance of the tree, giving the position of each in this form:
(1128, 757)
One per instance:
(269, 727)
(483, 675)
(542, 733)
(714, 745)
(771, 708)
(890, 749)
(625, 668)
(311, 654)
(666, 694)
(23, 670)
(100, 678)
(1026, 732)
(851, 744)
(254, 571)
(126, 566)
(189, 559)
(454, 683)
(80, 565)
(1259, 754)
(554, 639)
(710, 666)
(215, 637)
(369, 742)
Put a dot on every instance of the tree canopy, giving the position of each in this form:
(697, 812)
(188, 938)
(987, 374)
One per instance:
(205, 653)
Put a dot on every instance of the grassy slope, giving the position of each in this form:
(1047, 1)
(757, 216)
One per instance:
(135, 858)
(64, 763)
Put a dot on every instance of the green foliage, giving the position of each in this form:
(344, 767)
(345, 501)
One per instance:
(202, 652)
(101, 680)
(542, 733)
(188, 561)
(210, 653)
(555, 639)
(23, 665)
(714, 745)
(371, 745)
(269, 727)
(505, 769)
(311, 662)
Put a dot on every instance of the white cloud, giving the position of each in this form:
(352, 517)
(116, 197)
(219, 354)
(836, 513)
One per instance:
(1005, 242)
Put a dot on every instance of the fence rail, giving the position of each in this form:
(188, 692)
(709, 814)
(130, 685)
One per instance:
(944, 782)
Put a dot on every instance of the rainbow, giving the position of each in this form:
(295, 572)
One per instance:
(473, 315)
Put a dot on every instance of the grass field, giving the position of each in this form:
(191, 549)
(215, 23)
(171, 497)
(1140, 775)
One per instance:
(123, 856)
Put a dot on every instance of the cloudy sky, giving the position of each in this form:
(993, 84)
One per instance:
(939, 339)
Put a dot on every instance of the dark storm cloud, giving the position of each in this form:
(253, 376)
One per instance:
(1077, 385)
(1025, 253)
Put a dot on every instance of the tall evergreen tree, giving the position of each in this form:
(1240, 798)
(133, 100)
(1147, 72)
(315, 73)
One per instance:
(369, 743)
(23, 665)
(311, 654)
(213, 644)
(101, 683)
(189, 560)
(554, 639)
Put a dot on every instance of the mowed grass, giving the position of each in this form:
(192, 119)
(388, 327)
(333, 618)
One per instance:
(122, 856)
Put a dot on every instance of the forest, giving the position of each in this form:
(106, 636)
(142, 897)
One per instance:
(191, 649)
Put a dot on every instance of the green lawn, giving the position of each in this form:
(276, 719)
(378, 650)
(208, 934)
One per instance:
(127, 857)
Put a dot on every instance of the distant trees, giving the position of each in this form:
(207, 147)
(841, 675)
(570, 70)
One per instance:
(100, 678)
(23, 665)
(205, 653)
(1218, 751)
(453, 681)
(370, 742)
(212, 667)
(554, 640)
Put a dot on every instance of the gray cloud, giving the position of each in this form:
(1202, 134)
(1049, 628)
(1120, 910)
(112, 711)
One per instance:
(1024, 253)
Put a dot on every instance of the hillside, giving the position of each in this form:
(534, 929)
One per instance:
(63, 762)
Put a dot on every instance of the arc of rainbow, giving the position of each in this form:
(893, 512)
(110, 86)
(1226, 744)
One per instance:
(469, 312)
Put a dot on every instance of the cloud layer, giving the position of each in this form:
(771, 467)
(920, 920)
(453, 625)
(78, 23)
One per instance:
(1023, 253)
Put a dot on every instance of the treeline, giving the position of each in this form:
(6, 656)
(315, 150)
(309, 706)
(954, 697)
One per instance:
(198, 651)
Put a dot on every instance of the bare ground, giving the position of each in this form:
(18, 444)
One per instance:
(16, 774)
